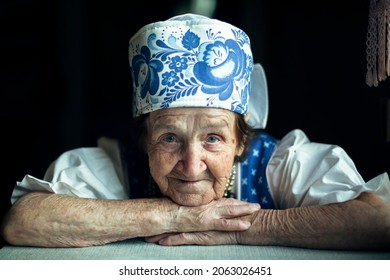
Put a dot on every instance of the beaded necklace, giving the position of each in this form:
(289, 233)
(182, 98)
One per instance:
(229, 184)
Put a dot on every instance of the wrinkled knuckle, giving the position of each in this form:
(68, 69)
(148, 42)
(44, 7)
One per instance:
(230, 210)
(230, 200)
(225, 223)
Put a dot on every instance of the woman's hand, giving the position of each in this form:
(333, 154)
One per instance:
(194, 238)
(362, 223)
(225, 214)
(218, 222)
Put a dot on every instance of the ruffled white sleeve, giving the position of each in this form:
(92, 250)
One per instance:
(303, 173)
(94, 172)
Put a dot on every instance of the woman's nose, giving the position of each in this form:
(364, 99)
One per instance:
(192, 162)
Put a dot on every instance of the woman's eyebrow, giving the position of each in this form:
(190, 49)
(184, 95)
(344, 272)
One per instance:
(220, 124)
(214, 122)
(164, 126)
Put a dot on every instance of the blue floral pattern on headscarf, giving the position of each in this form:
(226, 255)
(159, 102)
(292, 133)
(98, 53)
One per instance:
(182, 66)
(146, 69)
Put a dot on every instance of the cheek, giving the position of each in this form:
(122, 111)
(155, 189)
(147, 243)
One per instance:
(228, 162)
(221, 165)
(160, 163)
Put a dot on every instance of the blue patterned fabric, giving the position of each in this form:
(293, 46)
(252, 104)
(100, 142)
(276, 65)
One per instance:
(190, 61)
(254, 185)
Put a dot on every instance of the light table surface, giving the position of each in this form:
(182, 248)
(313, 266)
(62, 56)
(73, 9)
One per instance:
(139, 250)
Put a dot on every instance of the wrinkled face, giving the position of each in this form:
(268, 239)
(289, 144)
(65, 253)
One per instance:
(191, 152)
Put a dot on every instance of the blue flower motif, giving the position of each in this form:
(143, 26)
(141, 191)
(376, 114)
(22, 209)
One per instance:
(146, 72)
(219, 66)
(170, 78)
(178, 63)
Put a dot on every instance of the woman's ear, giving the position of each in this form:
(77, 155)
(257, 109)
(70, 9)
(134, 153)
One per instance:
(240, 150)
(247, 117)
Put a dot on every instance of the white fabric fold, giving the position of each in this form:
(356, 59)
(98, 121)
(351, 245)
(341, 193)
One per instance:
(303, 173)
(258, 98)
(82, 172)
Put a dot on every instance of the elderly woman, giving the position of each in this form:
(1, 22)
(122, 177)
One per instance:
(204, 171)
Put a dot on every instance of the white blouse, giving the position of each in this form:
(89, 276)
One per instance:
(299, 173)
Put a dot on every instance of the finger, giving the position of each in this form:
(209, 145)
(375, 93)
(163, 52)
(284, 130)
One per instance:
(234, 201)
(199, 238)
(231, 211)
(156, 238)
(231, 224)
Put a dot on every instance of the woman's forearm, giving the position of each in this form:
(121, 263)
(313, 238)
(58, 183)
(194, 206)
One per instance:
(52, 220)
(41, 219)
(363, 223)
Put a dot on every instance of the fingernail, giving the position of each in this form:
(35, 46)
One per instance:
(246, 224)
(256, 206)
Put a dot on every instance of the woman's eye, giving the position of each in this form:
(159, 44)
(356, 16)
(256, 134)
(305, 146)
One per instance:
(169, 139)
(212, 139)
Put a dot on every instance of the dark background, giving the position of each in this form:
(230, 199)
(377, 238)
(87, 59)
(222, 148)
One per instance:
(65, 79)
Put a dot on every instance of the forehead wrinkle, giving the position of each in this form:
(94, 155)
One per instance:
(204, 122)
(167, 123)
(215, 124)
(202, 119)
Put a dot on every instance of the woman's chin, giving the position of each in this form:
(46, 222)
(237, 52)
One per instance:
(191, 199)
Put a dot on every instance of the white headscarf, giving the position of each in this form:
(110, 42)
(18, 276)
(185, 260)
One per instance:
(195, 61)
